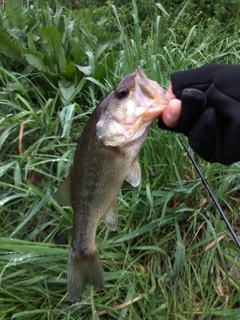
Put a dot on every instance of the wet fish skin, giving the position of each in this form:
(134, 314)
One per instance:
(106, 155)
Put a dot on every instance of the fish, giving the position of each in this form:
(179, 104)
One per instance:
(105, 156)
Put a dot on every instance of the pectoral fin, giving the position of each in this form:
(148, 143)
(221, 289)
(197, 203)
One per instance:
(62, 195)
(111, 216)
(134, 174)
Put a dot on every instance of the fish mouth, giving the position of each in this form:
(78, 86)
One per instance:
(151, 94)
(143, 82)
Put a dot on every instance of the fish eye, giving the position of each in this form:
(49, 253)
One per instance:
(122, 93)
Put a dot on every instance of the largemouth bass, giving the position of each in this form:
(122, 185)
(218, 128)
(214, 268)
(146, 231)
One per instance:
(106, 155)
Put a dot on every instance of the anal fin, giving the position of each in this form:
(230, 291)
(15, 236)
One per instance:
(111, 216)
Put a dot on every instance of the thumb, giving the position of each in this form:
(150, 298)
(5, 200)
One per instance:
(172, 113)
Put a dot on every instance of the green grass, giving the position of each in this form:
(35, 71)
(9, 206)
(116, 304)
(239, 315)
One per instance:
(165, 260)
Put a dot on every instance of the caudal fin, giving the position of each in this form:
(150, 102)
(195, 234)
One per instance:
(82, 271)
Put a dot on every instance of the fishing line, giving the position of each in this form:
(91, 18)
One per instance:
(204, 181)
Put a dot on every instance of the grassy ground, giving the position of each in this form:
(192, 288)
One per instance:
(172, 256)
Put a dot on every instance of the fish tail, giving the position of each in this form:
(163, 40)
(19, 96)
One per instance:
(82, 270)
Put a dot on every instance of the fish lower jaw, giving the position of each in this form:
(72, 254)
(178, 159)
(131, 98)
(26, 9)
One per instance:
(155, 111)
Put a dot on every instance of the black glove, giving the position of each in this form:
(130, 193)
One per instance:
(210, 115)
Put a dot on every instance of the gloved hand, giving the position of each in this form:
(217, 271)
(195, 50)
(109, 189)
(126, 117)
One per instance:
(210, 115)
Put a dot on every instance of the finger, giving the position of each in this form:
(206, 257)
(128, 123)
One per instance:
(193, 105)
(204, 138)
(170, 93)
(172, 113)
(223, 104)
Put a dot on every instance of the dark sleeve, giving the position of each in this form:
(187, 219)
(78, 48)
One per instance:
(224, 77)
(210, 115)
